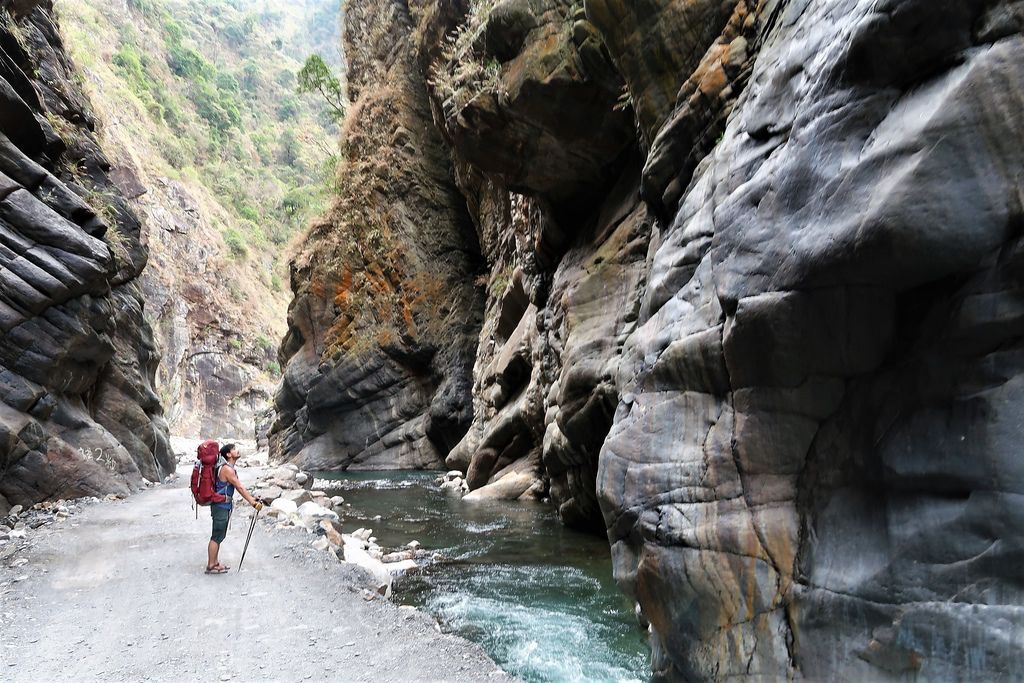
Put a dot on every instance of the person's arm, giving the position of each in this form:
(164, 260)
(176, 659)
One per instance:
(232, 478)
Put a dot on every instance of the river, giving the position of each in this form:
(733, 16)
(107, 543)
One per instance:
(538, 597)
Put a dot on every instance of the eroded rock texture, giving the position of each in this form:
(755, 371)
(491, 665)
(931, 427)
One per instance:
(751, 308)
(78, 413)
(811, 472)
(381, 331)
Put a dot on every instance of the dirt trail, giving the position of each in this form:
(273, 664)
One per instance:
(123, 597)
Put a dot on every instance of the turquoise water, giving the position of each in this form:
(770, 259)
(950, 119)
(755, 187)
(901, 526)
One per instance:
(538, 597)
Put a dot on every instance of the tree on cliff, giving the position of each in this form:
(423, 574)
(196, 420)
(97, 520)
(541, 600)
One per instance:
(316, 76)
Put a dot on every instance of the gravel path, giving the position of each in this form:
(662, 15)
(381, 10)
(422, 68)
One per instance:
(123, 596)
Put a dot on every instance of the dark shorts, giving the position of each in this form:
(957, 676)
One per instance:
(220, 523)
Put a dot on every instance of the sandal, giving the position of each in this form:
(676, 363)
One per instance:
(217, 569)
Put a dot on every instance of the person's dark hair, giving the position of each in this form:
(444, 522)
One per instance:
(225, 449)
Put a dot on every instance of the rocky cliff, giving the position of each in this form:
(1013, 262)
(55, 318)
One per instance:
(78, 415)
(379, 352)
(223, 162)
(751, 307)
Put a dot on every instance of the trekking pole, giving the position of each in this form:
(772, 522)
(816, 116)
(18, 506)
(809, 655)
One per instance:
(252, 526)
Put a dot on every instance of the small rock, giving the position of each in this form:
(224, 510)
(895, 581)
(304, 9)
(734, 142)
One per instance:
(321, 543)
(397, 557)
(20, 562)
(301, 478)
(401, 568)
(336, 501)
(413, 545)
(15, 511)
(331, 533)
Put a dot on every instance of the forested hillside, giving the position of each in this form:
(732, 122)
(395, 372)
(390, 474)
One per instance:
(198, 107)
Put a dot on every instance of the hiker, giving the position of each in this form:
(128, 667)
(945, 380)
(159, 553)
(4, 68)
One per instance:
(225, 483)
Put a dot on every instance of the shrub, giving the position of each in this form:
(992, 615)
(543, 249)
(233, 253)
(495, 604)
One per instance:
(250, 81)
(131, 65)
(288, 109)
(187, 63)
(248, 213)
(236, 242)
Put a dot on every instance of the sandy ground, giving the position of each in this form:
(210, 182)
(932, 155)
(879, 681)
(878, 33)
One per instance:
(123, 597)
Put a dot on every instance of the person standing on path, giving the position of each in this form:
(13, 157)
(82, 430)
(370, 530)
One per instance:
(225, 483)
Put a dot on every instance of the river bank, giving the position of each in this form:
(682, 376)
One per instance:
(116, 591)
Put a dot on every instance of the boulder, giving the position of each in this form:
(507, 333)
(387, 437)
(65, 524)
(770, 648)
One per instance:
(310, 511)
(283, 473)
(268, 494)
(509, 487)
(286, 507)
(359, 557)
(297, 496)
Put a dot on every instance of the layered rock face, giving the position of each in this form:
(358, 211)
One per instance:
(78, 413)
(379, 350)
(751, 308)
(811, 471)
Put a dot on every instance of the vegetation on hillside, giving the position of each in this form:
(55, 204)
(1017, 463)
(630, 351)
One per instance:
(208, 94)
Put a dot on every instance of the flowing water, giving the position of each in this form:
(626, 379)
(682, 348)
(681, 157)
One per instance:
(538, 597)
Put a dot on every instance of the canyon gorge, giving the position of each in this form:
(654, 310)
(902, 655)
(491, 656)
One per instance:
(733, 283)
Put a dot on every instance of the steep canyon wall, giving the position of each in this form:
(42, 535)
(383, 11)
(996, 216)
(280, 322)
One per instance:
(78, 415)
(379, 351)
(733, 282)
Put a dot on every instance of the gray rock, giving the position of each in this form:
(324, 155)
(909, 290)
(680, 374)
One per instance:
(776, 360)
(77, 357)
(798, 459)
(268, 494)
(298, 497)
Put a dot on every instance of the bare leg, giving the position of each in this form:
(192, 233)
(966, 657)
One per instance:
(211, 554)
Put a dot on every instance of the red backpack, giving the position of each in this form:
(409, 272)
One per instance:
(203, 474)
